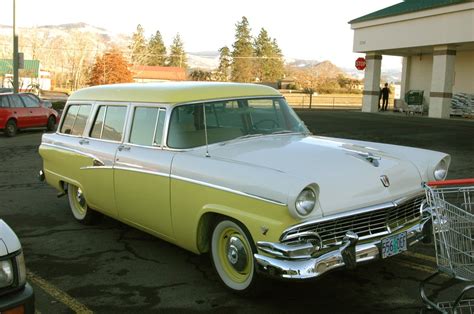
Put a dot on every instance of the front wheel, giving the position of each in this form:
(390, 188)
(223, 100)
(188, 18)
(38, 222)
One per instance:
(79, 208)
(232, 256)
(51, 125)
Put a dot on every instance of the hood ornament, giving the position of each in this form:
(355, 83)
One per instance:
(385, 181)
(374, 160)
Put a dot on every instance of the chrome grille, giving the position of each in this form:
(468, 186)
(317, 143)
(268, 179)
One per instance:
(368, 224)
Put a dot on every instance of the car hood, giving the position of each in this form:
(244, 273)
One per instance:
(348, 175)
(9, 242)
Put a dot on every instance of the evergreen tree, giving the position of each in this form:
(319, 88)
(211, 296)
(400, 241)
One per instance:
(269, 65)
(110, 68)
(200, 75)
(177, 56)
(278, 63)
(242, 55)
(138, 46)
(156, 50)
(225, 62)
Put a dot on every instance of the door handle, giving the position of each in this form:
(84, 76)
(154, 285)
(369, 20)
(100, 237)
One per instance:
(31, 111)
(124, 148)
(14, 112)
(84, 142)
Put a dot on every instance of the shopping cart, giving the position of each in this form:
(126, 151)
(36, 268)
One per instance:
(452, 206)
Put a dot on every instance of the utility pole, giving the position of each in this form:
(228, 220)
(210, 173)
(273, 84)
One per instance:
(15, 53)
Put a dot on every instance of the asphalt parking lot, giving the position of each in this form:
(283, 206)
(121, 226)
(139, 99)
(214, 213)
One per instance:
(113, 268)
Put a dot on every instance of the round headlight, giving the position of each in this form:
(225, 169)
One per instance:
(6, 273)
(441, 170)
(305, 202)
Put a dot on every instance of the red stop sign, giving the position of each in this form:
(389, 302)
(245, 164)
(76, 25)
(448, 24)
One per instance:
(360, 64)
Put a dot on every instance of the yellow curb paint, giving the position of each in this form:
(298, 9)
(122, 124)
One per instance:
(56, 293)
(415, 266)
(421, 256)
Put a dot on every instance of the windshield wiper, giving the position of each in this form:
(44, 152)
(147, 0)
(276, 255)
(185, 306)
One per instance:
(284, 132)
(250, 135)
(289, 132)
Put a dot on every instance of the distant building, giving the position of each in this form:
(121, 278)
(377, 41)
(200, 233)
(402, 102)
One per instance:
(30, 77)
(287, 83)
(435, 39)
(146, 73)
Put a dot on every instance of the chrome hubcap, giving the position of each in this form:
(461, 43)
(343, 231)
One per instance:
(80, 197)
(236, 254)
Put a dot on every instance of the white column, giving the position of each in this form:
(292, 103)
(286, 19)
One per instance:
(442, 81)
(406, 68)
(371, 92)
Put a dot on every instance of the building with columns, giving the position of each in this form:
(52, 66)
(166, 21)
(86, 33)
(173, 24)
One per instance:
(435, 39)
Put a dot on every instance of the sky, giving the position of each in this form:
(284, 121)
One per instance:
(304, 29)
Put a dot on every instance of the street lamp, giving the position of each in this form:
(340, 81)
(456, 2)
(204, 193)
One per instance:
(15, 54)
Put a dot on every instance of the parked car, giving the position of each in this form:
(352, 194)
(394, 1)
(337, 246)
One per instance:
(25, 110)
(230, 169)
(16, 294)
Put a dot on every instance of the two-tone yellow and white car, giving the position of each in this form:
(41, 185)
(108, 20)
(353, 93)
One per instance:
(231, 170)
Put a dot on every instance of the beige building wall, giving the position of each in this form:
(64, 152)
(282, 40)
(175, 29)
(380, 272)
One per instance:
(421, 69)
(420, 74)
(464, 72)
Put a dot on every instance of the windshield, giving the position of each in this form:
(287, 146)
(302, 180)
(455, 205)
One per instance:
(230, 119)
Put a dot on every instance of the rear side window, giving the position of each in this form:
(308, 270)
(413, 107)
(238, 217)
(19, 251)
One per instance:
(15, 101)
(147, 126)
(109, 123)
(75, 119)
(4, 102)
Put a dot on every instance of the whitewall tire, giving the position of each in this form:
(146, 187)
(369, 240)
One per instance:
(232, 255)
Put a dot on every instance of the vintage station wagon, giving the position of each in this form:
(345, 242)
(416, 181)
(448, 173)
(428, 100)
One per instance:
(231, 170)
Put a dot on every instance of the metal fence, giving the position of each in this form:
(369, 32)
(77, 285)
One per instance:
(326, 101)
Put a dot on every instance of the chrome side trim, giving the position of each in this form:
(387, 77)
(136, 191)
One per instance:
(155, 173)
(353, 212)
(96, 167)
(222, 188)
(72, 150)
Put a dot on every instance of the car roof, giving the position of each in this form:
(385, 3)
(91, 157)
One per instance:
(171, 92)
(11, 93)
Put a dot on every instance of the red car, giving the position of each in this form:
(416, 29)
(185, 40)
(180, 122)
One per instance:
(25, 110)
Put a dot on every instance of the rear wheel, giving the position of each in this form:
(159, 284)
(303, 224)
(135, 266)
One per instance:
(232, 256)
(11, 128)
(79, 208)
(51, 125)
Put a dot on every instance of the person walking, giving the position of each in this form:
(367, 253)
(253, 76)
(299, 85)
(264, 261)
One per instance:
(385, 93)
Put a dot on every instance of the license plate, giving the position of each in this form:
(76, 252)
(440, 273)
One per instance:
(394, 245)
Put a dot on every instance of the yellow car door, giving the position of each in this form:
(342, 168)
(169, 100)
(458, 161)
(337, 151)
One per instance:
(142, 173)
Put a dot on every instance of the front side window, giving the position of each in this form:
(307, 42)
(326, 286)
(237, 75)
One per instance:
(109, 123)
(30, 101)
(75, 119)
(147, 126)
(230, 119)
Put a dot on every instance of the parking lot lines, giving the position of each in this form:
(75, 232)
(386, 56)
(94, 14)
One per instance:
(57, 293)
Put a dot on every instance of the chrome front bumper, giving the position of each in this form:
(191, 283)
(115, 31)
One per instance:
(297, 262)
